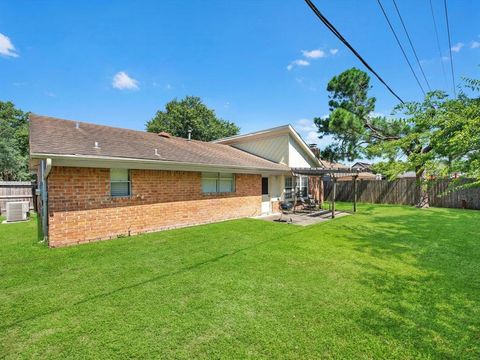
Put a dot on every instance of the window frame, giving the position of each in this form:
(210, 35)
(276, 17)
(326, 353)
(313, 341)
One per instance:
(128, 181)
(218, 177)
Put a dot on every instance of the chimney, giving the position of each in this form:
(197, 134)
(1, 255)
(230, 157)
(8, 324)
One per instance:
(315, 150)
(164, 135)
(189, 134)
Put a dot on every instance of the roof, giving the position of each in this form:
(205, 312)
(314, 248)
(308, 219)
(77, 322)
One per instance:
(362, 164)
(284, 129)
(53, 136)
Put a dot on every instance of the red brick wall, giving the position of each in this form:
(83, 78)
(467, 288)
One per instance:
(82, 210)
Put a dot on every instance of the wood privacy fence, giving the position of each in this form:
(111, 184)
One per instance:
(15, 191)
(403, 192)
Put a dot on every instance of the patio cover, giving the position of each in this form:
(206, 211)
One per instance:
(335, 174)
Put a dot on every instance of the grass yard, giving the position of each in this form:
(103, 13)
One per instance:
(388, 282)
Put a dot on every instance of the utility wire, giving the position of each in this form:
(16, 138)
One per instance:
(411, 44)
(400, 45)
(450, 47)
(438, 43)
(327, 23)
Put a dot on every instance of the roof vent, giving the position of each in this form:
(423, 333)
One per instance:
(156, 152)
(77, 125)
(164, 135)
(189, 134)
(96, 145)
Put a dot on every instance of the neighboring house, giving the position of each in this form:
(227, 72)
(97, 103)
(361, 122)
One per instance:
(98, 182)
(407, 175)
(362, 166)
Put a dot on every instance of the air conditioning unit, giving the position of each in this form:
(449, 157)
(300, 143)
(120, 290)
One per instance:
(17, 211)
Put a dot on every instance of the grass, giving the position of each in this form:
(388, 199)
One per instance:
(388, 282)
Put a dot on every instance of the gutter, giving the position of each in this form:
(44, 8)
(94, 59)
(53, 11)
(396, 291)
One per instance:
(60, 160)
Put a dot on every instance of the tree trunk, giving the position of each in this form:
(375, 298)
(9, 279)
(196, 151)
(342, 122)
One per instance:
(422, 188)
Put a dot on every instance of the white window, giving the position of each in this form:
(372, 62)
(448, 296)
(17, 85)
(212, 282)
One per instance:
(119, 182)
(218, 182)
(288, 187)
(302, 186)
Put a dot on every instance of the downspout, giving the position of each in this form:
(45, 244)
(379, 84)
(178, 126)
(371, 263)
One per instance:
(47, 167)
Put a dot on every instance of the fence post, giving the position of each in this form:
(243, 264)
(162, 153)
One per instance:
(355, 193)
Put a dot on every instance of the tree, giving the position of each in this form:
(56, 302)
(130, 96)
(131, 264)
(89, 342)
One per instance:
(13, 143)
(404, 143)
(331, 153)
(190, 113)
(458, 135)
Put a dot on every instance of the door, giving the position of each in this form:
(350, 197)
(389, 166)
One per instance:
(265, 197)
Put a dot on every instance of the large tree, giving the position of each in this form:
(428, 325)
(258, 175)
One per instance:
(13, 143)
(403, 142)
(191, 113)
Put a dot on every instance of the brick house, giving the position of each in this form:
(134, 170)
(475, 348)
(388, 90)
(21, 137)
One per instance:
(98, 182)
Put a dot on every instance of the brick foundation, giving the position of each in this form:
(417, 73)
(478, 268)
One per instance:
(82, 210)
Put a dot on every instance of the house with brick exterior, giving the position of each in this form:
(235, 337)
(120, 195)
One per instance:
(98, 182)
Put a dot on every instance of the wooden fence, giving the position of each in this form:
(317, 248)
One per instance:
(15, 191)
(403, 192)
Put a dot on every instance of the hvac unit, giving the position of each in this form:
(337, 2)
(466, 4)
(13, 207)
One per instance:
(17, 211)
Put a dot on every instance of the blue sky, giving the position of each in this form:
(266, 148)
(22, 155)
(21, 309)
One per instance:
(257, 63)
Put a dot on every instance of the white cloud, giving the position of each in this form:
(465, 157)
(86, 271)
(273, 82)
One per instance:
(475, 44)
(445, 58)
(122, 81)
(6, 46)
(333, 51)
(312, 137)
(457, 47)
(305, 125)
(299, 62)
(314, 54)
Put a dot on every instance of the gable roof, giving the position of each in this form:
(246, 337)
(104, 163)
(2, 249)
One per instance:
(279, 130)
(53, 136)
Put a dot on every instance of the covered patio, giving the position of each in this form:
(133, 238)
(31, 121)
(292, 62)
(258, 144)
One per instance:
(316, 177)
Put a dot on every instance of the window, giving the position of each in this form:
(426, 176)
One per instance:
(288, 187)
(302, 186)
(119, 182)
(218, 182)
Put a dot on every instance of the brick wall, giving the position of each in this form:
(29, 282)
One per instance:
(82, 210)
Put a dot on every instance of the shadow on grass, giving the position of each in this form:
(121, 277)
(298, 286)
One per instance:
(150, 280)
(426, 274)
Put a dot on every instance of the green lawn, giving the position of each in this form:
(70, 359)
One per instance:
(388, 282)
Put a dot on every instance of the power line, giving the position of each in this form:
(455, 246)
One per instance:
(411, 44)
(327, 23)
(400, 45)
(450, 47)
(438, 43)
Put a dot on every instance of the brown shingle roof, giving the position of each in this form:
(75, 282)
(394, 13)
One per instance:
(50, 135)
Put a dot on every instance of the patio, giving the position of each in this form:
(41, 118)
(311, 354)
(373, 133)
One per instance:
(304, 218)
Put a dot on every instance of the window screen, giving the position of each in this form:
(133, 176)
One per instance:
(119, 182)
(218, 182)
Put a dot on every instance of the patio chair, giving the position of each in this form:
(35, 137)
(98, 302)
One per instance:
(285, 208)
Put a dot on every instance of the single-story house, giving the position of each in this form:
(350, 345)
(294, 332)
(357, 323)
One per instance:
(98, 182)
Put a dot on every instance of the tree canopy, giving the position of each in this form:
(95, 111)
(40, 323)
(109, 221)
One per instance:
(13, 143)
(191, 113)
(428, 137)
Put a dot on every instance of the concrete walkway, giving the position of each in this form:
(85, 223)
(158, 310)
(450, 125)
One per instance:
(304, 218)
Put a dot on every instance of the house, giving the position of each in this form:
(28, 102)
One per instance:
(99, 182)
(363, 166)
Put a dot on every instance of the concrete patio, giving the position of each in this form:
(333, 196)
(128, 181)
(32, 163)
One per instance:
(304, 218)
